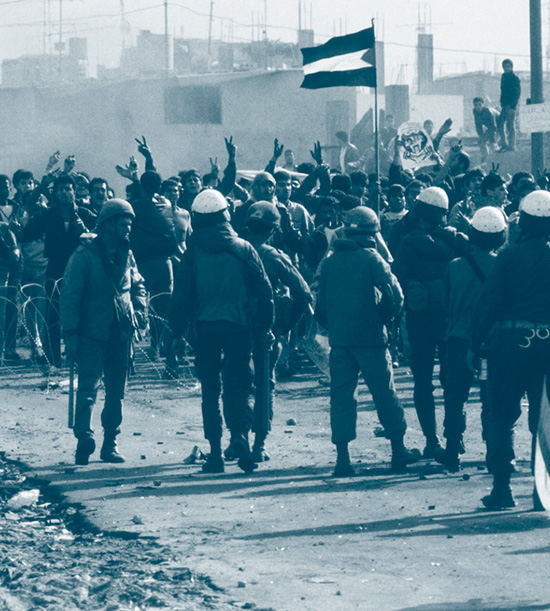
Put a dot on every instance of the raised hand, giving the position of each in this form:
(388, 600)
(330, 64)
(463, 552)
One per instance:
(277, 149)
(317, 153)
(53, 160)
(143, 148)
(214, 167)
(130, 170)
(69, 164)
(231, 148)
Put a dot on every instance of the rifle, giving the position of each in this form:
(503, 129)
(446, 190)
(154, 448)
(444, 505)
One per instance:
(71, 394)
(263, 388)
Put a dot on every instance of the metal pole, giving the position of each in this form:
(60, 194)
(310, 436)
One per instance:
(537, 97)
(60, 38)
(376, 135)
(166, 45)
(210, 32)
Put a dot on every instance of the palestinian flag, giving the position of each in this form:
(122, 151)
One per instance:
(343, 61)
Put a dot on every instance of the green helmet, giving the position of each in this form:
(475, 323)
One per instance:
(362, 220)
(264, 213)
(115, 207)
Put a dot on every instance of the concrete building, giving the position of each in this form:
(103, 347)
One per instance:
(47, 69)
(185, 120)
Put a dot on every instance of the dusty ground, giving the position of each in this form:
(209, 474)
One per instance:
(288, 536)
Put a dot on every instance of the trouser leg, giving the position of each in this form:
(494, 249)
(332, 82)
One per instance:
(423, 342)
(511, 127)
(115, 373)
(90, 369)
(237, 382)
(377, 371)
(344, 375)
(509, 371)
(459, 379)
(208, 365)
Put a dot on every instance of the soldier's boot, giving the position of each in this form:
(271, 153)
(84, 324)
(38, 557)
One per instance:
(84, 449)
(214, 463)
(343, 464)
(402, 456)
(259, 453)
(501, 496)
(242, 450)
(450, 456)
(109, 450)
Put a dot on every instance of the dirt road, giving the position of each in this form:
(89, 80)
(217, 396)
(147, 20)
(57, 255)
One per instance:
(290, 536)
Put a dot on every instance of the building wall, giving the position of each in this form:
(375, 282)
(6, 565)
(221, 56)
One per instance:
(99, 121)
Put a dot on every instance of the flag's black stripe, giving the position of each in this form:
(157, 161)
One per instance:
(364, 77)
(340, 45)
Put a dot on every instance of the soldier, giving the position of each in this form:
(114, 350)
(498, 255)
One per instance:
(358, 296)
(420, 266)
(102, 302)
(222, 298)
(464, 281)
(516, 300)
(292, 298)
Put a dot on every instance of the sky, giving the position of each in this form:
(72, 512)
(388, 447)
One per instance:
(468, 34)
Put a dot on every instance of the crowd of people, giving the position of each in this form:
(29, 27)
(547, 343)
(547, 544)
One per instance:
(447, 264)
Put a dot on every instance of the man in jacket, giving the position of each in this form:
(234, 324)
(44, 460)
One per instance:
(358, 295)
(292, 298)
(153, 241)
(510, 91)
(102, 298)
(222, 296)
(420, 266)
(61, 225)
(516, 302)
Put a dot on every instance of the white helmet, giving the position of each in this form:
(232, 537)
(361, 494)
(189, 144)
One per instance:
(489, 220)
(209, 201)
(537, 204)
(434, 196)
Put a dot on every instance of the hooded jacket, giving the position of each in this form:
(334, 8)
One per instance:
(220, 278)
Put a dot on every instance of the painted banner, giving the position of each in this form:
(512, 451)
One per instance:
(416, 146)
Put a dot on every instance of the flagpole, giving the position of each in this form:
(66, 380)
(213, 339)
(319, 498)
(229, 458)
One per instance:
(376, 135)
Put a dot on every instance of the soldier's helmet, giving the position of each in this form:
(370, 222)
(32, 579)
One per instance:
(115, 207)
(534, 212)
(209, 201)
(361, 220)
(263, 213)
(488, 228)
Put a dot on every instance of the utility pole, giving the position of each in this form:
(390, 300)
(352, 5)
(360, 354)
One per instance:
(166, 41)
(537, 94)
(210, 32)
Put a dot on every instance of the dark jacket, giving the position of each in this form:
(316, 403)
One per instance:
(518, 288)
(220, 278)
(510, 90)
(153, 230)
(59, 241)
(463, 287)
(354, 283)
(290, 291)
(88, 293)
(420, 266)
